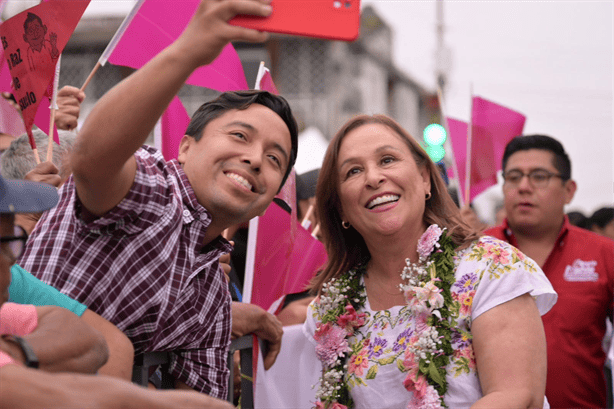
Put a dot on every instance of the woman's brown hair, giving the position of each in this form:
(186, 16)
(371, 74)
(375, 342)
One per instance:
(345, 247)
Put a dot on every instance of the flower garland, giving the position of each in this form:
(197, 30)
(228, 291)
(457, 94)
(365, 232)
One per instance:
(428, 295)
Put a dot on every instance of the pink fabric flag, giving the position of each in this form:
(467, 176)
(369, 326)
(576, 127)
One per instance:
(175, 121)
(493, 126)
(284, 262)
(286, 255)
(266, 83)
(33, 40)
(156, 25)
(273, 253)
(9, 113)
(458, 138)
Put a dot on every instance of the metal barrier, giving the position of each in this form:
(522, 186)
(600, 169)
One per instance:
(144, 363)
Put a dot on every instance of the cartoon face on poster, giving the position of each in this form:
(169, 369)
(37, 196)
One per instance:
(33, 41)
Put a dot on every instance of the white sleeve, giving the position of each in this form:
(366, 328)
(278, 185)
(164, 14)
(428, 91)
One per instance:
(504, 274)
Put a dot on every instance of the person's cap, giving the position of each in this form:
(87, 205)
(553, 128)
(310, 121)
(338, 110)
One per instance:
(22, 196)
(306, 184)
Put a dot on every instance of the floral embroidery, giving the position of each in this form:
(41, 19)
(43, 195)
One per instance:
(385, 339)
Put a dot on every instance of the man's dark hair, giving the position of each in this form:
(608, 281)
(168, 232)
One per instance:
(30, 18)
(243, 100)
(523, 143)
(602, 217)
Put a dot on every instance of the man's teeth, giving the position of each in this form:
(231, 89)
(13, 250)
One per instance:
(240, 179)
(382, 199)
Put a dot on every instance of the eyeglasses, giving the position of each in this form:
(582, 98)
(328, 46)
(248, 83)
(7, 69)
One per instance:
(538, 178)
(12, 246)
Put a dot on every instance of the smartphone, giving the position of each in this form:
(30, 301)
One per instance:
(327, 19)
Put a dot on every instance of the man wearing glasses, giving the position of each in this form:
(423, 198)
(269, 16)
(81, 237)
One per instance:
(45, 351)
(578, 263)
(50, 337)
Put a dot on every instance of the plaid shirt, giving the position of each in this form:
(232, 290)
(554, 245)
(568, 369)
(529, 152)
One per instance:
(142, 266)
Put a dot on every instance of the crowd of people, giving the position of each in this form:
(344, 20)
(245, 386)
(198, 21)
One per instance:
(110, 252)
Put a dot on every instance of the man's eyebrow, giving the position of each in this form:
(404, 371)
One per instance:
(250, 127)
(241, 124)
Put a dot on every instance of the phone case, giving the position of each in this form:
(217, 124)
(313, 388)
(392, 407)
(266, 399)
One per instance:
(328, 19)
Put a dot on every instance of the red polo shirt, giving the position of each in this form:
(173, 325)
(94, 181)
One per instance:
(581, 270)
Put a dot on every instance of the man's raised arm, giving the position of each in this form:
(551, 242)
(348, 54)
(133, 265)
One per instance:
(102, 160)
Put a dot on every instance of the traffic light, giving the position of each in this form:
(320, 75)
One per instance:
(434, 137)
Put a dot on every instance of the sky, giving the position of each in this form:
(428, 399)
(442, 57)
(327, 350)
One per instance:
(552, 61)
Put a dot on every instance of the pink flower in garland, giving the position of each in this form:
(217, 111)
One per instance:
(416, 384)
(337, 405)
(430, 400)
(428, 241)
(351, 320)
(332, 344)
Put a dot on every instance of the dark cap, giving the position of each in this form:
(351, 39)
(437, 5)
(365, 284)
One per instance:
(306, 184)
(22, 196)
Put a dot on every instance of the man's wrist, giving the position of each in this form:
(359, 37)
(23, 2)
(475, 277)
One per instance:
(19, 349)
(12, 349)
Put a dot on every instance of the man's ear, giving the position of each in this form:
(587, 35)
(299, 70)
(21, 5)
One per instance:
(570, 190)
(184, 147)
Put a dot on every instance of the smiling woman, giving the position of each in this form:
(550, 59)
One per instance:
(412, 304)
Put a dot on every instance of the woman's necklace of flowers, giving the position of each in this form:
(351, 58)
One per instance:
(427, 291)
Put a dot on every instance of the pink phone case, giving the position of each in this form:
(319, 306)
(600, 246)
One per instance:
(328, 19)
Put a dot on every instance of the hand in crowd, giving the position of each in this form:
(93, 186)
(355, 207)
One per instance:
(225, 264)
(208, 32)
(45, 172)
(249, 318)
(69, 106)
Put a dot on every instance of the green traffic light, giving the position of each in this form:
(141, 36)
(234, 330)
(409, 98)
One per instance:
(436, 153)
(434, 135)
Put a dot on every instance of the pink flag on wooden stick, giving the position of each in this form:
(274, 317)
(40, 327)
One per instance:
(33, 41)
(10, 114)
(264, 81)
(493, 126)
(155, 26)
(281, 255)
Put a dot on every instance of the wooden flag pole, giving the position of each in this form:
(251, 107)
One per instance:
(307, 216)
(53, 106)
(89, 77)
(113, 43)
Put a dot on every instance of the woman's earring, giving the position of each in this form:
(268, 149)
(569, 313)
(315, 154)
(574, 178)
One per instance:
(346, 225)
(428, 196)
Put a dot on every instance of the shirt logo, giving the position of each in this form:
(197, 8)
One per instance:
(581, 271)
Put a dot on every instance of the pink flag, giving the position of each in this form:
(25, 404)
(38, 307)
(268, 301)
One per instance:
(493, 126)
(273, 251)
(285, 255)
(175, 121)
(156, 25)
(8, 116)
(266, 83)
(33, 40)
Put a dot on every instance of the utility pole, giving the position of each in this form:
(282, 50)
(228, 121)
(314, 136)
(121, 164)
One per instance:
(442, 53)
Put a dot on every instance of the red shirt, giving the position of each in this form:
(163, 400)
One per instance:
(581, 270)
